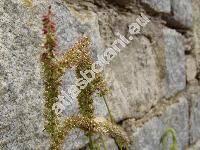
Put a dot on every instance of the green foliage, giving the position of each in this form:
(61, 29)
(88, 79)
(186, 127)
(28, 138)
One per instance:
(54, 68)
(166, 135)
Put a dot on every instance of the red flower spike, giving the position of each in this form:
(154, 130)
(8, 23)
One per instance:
(49, 29)
(45, 31)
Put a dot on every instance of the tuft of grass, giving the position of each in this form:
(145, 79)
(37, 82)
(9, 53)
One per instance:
(169, 132)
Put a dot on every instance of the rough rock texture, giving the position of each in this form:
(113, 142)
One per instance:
(148, 136)
(196, 37)
(137, 60)
(196, 146)
(191, 69)
(161, 6)
(194, 97)
(182, 13)
(149, 92)
(143, 77)
(178, 13)
(21, 98)
(175, 61)
(109, 144)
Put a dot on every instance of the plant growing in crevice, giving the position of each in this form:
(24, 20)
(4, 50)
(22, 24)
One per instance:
(28, 3)
(54, 68)
(166, 135)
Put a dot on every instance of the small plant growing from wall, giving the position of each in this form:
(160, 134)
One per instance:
(166, 135)
(54, 68)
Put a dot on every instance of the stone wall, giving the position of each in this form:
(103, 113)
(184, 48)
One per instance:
(154, 80)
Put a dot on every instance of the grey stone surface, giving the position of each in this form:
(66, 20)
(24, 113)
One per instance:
(134, 80)
(133, 75)
(182, 14)
(176, 116)
(196, 29)
(151, 67)
(178, 13)
(160, 6)
(195, 146)
(148, 135)
(194, 96)
(109, 144)
(191, 69)
(21, 104)
(175, 62)
(139, 68)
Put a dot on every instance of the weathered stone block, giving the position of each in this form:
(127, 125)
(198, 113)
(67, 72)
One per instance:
(159, 6)
(182, 14)
(148, 135)
(140, 64)
(194, 96)
(21, 113)
(191, 68)
(196, 30)
(177, 13)
(108, 142)
(175, 62)
(195, 146)
(134, 76)
(176, 116)
(134, 80)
